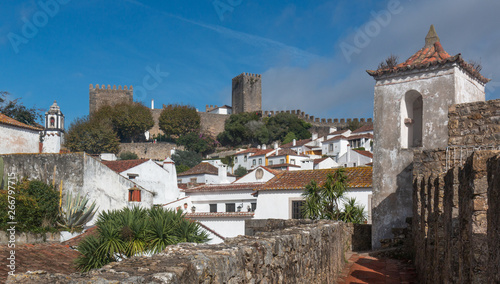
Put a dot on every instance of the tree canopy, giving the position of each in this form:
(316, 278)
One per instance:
(184, 160)
(177, 120)
(199, 143)
(16, 110)
(249, 128)
(92, 136)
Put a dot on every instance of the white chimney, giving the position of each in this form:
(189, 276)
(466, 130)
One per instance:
(258, 147)
(275, 145)
(332, 129)
(348, 154)
(264, 147)
(294, 142)
(223, 174)
(152, 104)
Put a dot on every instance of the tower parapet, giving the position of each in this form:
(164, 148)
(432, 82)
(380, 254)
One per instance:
(107, 95)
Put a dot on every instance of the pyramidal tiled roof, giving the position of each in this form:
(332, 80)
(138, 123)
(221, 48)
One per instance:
(430, 55)
(123, 165)
(202, 168)
(359, 177)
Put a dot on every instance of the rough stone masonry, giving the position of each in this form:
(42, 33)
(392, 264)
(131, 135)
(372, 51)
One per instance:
(309, 253)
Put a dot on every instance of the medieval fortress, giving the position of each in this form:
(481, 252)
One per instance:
(246, 97)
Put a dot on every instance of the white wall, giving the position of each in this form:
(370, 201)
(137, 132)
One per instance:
(275, 203)
(202, 200)
(52, 142)
(18, 140)
(251, 177)
(355, 158)
(205, 178)
(228, 227)
(157, 179)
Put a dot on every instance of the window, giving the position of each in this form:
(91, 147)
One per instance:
(254, 162)
(245, 159)
(331, 147)
(192, 180)
(132, 176)
(134, 194)
(52, 121)
(213, 208)
(292, 161)
(260, 161)
(270, 163)
(179, 181)
(235, 160)
(297, 209)
(411, 120)
(282, 161)
(254, 206)
(353, 164)
(230, 207)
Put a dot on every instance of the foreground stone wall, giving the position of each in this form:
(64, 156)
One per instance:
(308, 253)
(456, 218)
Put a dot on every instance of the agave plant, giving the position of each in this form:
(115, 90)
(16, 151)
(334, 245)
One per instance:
(75, 213)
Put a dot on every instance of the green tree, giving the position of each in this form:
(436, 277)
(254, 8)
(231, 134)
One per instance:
(92, 136)
(16, 110)
(283, 123)
(236, 131)
(289, 137)
(323, 202)
(183, 159)
(36, 206)
(199, 143)
(128, 232)
(353, 125)
(240, 171)
(127, 155)
(129, 120)
(176, 120)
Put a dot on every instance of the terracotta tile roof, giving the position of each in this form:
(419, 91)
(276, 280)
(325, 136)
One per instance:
(282, 165)
(284, 152)
(123, 165)
(51, 257)
(317, 161)
(262, 152)
(92, 231)
(10, 121)
(365, 153)
(297, 143)
(358, 177)
(364, 128)
(201, 168)
(338, 137)
(219, 214)
(249, 150)
(338, 132)
(359, 136)
(224, 187)
(273, 171)
(430, 55)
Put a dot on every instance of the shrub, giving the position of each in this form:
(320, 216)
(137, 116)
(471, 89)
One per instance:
(127, 155)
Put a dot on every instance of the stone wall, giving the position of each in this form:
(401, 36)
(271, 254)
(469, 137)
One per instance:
(213, 123)
(308, 253)
(148, 150)
(247, 93)
(455, 220)
(30, 238)
(474, 124)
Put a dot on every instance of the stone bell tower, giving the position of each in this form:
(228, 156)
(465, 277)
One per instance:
(411, 112)
(53, 134)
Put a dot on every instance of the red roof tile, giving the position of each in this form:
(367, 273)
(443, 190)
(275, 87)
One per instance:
(10, 121)
(273, 171)
(224, 187)
(51, 257)
(297, 143)
(359, 177)
(92, 231)
(359, 136)
(123, 165)
(282, 165)
(201, 168)
(317, 161)
(430, 55)
(284, 152)
(249, 150)
(365, 153)
(338, 132)
(364, 128)
(338, 137)
(262, 152)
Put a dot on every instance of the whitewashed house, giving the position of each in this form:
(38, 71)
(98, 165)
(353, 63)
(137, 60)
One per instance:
(335, 146)
(242, 158)
(158, 178)
(205, 173)
(319, 164)
(258, 175)
(225, 109)
(354, 158)
(281, 197)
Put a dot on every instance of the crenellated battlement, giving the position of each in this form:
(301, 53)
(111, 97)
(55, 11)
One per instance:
(247, 75)
(103, 87)
(101, 95)
(336, 122)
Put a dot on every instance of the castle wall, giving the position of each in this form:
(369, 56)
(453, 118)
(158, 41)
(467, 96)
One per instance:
(102, 95)
(456, 199)
(148, 150)
(213, 123)
(309, 253)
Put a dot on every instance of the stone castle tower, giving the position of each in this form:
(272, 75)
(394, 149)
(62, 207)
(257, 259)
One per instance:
(247, 93)
(54, 129)
(411, 112)
(100, 96)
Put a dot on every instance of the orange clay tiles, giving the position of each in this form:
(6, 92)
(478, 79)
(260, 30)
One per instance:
(364, 128)
(202, 168)
(10, 121)
(359, 177)
(120, 166)
(297, 143)
(364, 153)
(224, 187)
(430, 55)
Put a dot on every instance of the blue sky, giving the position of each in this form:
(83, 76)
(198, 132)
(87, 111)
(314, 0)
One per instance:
(53, 49)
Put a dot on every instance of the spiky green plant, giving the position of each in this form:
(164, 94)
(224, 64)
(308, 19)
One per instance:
(353, 212)
(75, 213)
